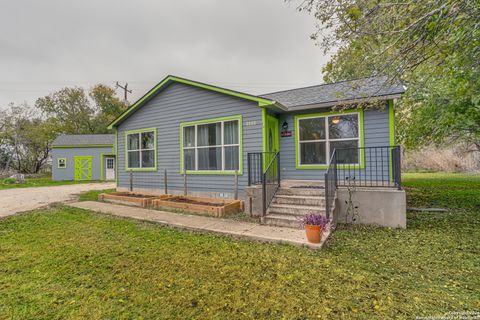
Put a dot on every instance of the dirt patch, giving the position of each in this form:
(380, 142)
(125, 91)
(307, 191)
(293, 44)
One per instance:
(130, 198)
(308, 187)
(210, 206)
(203, 203)
(134, 195)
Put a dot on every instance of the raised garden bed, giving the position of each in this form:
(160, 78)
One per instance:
(211, 206)
(130, 198)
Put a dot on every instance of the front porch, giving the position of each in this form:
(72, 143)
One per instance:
(366, 192)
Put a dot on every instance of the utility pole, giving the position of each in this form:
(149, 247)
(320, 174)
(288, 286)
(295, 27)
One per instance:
(125, 91)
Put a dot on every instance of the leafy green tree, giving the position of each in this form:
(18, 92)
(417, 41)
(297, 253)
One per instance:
(26, 137)
(107, 106)
(26, 133)
(431, 45)
(74, 111)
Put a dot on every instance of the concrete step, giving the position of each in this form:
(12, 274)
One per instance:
(301, 191)
(294, 210)
(299, 200)
(279, 220)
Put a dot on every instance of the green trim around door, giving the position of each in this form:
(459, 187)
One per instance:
(102, 164)
(82, 168)
(270, 135)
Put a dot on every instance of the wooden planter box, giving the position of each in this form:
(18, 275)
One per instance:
(130, 198)
(211, 206)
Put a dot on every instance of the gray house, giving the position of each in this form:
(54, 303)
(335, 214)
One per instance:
(84, 157)
(285, 150)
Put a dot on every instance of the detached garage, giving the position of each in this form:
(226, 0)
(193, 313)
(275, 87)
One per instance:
(84, 157)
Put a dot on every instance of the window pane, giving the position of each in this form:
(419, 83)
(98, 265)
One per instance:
(230, 131)
(134, 159)
(348, 156)
(132, 141)
(189, 159)
(210, 158)
(340, 127)
(147, 140)
(109, 163)
(312, 129)
(189, 136)
(148, 160)
(313, 153)
(209, 134)
(231, 158)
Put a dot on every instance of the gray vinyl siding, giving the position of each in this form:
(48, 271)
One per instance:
(179, 103)
(70, 153)
(376, 133)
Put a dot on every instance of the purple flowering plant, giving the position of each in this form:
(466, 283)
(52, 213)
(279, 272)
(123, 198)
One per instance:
(314, 219)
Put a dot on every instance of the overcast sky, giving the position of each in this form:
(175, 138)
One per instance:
(255, 46)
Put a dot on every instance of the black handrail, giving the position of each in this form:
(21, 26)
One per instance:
(374, 167)
(257, 162)
(330, 184)
(270, 181)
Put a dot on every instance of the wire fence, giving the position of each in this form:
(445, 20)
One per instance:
(163, 181)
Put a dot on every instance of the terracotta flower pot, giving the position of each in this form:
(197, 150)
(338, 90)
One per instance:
(314, 233)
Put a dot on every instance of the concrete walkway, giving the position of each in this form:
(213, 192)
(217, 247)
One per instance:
(233, 228)
(22, 199)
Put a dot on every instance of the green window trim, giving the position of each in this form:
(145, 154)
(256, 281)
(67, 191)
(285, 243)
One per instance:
(58, 163)
(116, 157)
(325, 166)
(391, 127)
(262, 102)
(391, 122)
(240, 143)
(148, 169)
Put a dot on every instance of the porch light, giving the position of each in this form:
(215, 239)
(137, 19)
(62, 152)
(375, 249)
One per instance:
(336, 120)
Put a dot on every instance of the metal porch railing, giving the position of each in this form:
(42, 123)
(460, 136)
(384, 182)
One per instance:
(264, 169)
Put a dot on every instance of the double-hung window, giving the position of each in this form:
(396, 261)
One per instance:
(318, 136)
(212, 146)
(141, 149)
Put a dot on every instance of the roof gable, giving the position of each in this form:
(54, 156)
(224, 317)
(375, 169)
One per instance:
(262, 102)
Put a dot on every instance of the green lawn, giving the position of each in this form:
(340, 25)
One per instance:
(69, 263)
(45, 181)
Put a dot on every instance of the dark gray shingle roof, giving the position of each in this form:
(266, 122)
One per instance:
(332, 93)
(84, 139)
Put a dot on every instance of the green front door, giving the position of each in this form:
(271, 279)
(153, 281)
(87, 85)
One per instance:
(271, 138)
(272, 134)
(83, 168)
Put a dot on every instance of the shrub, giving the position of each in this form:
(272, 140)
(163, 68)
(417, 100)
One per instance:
(9, 181)
(450, 159)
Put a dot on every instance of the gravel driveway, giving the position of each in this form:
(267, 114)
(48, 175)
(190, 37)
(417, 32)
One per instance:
(22, 199)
